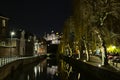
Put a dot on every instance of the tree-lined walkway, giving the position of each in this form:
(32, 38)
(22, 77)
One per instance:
(91, 68)
(96, 61)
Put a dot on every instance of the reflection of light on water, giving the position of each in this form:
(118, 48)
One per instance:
(52, 70)
(28, 77)
(70, 68)
(56, 74)
(39, 69)
(48, 64)
(77, 58)
(67, 66)
(48, 58)
(35, 71)
(78, 76)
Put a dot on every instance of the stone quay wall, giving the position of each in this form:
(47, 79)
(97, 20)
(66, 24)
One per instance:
(12, 66)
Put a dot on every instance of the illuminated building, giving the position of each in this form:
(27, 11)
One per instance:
(54, 38)
(42, 48)
(52, 41)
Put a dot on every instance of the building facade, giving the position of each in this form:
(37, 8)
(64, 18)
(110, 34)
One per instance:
(3, 28)
(52, 41)
(19, 44)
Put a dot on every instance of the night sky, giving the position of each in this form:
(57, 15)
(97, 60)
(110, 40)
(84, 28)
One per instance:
(37, 16)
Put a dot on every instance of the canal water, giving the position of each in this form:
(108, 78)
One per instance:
(48, 69)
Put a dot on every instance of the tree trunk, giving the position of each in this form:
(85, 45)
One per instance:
(105, 50)
(86, 50)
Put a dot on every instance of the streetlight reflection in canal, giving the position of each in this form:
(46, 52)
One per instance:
(53, 69)
(48, 69)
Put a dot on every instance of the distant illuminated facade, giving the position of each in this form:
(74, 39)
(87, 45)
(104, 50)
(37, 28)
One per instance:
(53, 37)
(42, 48)
(52, 41)
(39, 48)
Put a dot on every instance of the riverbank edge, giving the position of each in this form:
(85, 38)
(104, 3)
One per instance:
(100, 73)
(12, 66)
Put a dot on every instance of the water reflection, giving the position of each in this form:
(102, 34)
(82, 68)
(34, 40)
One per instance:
(53, 69)
(45, 70)
(48, 69)
(66, 72)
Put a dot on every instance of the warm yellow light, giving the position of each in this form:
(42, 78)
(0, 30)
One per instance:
(111, 48)
(99, 65)
(57, 33)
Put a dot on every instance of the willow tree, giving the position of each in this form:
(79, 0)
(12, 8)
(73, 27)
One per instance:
(101, 10)
(68, 36)
(83, 11)
(94, 13)
(91, 18)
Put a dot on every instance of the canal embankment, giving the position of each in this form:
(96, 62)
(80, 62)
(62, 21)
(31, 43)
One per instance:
(17, 64)
(99, 73)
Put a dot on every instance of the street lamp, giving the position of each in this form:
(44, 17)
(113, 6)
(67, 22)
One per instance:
(11, 34)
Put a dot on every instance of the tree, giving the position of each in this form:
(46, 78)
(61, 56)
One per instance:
(102, 9)
(92, 18)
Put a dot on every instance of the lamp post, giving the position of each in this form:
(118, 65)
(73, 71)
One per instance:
(11, 34)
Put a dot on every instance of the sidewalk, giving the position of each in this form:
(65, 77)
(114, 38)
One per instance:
(96, 61)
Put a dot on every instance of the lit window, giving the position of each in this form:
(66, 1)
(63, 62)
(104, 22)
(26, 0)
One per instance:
(3, 23)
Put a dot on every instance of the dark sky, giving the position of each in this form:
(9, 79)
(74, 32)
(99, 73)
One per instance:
(37, 16)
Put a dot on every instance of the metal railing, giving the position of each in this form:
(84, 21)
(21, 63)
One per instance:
(6, 60)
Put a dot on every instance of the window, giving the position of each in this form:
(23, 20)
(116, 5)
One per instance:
(3, 23)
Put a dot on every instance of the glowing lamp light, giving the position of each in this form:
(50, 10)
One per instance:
(57, 33)
(99, 65)
(111, 48)
(12, 33)
(84, 60)
(77, 58)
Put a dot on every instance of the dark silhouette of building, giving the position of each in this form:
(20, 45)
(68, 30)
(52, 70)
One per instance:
(3, 27)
